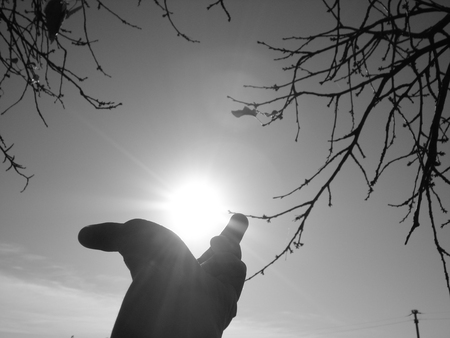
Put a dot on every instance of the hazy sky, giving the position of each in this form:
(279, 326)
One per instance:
(354, 277)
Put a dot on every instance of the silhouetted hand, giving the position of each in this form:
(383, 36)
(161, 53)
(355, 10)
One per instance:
(172, 294)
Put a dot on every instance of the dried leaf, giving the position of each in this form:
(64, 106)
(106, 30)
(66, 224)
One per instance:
(55, 13)
(245, 111)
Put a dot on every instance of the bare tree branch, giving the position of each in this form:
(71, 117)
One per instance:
(398, 63)
(35, 50)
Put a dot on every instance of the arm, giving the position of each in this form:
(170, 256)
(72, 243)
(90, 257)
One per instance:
(171, 294)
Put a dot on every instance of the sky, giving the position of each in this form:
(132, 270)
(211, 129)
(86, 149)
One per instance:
(354, 277)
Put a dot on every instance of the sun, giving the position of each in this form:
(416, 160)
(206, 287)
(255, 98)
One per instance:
(197, 212)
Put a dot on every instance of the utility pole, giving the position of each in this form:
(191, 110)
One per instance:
(416, 321)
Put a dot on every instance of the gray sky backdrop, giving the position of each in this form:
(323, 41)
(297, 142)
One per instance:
(352, 278)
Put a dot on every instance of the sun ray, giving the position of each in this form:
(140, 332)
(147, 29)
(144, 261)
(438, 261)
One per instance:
(196, 211)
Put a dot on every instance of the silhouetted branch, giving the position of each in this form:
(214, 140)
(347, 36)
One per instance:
(397, 62)
(222, 4)
(34, 47)
(12, 164)
(33, 50)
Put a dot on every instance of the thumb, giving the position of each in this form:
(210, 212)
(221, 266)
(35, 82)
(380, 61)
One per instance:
(234, 231)
(227, 268)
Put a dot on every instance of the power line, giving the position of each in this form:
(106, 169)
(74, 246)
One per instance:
(373, 324)
(362, 328)
(437, 312)
(349, 328)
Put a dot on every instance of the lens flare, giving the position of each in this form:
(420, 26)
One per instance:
(197, 211)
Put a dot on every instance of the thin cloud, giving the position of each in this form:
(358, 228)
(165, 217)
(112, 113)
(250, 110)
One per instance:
(54, 310)
(44, 298)
(9, 249)
(243, 327)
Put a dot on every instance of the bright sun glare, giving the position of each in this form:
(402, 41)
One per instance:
(197, 211)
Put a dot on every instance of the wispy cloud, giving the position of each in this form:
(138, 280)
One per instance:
(285, 324)
(292, 324)
(15, 259)
(54, 310)
(8, 248)
(40, 297)
(243, 327)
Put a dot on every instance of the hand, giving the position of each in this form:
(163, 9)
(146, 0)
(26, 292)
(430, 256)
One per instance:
(172, 294)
